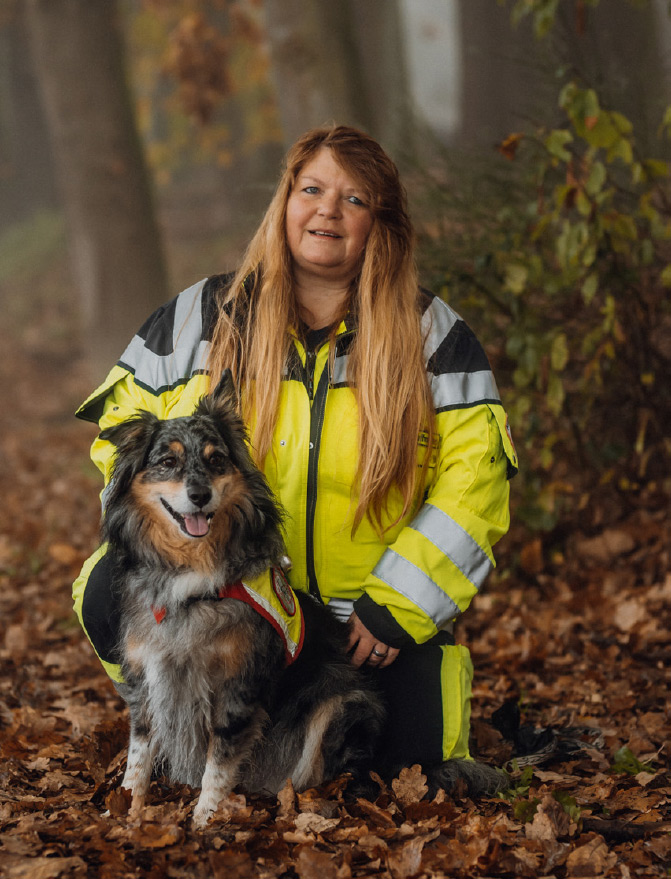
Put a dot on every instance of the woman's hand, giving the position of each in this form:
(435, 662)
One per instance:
(367, 648)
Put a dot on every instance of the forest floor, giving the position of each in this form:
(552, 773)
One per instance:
(578, 640)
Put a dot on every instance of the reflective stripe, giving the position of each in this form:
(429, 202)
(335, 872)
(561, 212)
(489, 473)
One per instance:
(456, 543)
(456, 389)
(416, 586)
(187, 330)
(437, 321)
(341, 608)
(159, 373)
(290, 628)
(340, 370)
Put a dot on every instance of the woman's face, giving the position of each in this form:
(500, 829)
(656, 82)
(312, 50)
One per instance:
(327, 221)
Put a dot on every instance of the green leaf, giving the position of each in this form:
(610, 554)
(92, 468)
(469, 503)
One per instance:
(568, 804)
(625, 760)
(559, 352)
(597, 178)
(516, 278)
(555, 394)
(665, 276)
(621, 149)
(622, 226)
(583, 204)
(567, 95)
(556, 141)
(656, 168)
(666, 122)
(621, 123)
(524, 810)
(590, 286)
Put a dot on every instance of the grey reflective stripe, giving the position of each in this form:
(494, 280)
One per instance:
(188, 327)
(340, 364)
(463, 389)
(456, 543)
(162, 372)
(341, 607)
(437, 321)
(416, 586)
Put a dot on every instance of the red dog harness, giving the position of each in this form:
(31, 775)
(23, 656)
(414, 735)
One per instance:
(272, 597)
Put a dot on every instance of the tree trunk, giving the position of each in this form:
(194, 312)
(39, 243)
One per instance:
(381, 47)
(341, 62)
(26, 166)
(115, 242)
(309, 69)
(504, 82)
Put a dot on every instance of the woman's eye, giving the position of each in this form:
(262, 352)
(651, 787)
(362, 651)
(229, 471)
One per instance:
(311, 190)
(354, 199)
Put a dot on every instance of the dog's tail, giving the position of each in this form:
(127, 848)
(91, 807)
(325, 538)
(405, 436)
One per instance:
(478, 779)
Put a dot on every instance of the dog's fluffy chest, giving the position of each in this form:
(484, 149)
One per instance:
(181, 622)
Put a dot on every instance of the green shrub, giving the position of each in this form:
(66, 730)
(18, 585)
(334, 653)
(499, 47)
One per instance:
(563, 264)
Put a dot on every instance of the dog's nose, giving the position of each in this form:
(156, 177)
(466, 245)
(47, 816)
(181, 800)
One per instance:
(199, 495)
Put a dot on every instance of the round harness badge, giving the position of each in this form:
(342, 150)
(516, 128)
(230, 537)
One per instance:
(283, 591)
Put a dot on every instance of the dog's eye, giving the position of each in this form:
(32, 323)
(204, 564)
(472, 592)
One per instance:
(217, 461)
(169, 462)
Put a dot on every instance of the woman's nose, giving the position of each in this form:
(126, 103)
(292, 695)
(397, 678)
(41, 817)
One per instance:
(329, 205)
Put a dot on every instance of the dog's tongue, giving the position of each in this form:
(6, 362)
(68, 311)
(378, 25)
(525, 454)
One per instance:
(196, 524)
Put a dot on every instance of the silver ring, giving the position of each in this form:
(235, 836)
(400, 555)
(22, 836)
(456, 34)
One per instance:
(377, 653)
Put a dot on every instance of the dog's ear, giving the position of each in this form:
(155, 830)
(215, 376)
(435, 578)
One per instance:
(132, 439)
(132, 434)
(223, 400)
(225, 388)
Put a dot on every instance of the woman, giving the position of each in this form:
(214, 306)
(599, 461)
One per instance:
(372, 411)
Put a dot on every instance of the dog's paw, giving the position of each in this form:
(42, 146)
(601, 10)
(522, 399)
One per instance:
(201, 815)
(136, 807)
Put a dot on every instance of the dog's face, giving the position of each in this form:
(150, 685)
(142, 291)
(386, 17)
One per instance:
(187, 473)
(187, 487)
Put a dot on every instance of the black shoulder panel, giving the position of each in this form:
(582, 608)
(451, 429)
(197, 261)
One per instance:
(213, 289)
(157, 331)
(459, 351)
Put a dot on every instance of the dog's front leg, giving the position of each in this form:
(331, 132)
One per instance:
(139, 764)
(231, 743)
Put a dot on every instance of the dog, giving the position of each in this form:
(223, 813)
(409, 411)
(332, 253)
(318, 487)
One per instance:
(225, 685)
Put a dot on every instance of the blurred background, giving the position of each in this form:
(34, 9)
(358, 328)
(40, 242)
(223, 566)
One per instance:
(140, 141)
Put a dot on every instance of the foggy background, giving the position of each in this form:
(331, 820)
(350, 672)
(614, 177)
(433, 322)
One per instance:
(140, 141)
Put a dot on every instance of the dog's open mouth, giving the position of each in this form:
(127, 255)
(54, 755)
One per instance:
(193, 524)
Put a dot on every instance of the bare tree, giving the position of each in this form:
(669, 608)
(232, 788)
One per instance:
(115, 241)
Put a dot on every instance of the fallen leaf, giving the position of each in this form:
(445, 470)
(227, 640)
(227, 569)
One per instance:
(550, 821)
(314, 864)
(629, 614)
(590, 859)
(45, 868)
(408, 861)
(310, 822)
(410, 786)
(287, 800)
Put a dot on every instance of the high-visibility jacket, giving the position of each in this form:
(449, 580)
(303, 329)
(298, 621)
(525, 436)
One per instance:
(422, 573)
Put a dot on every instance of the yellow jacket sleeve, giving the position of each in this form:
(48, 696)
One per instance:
(430, 573)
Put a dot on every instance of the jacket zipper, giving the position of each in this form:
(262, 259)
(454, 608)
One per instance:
(317, 407)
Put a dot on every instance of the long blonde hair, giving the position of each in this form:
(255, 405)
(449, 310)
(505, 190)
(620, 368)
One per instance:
(386, 367)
